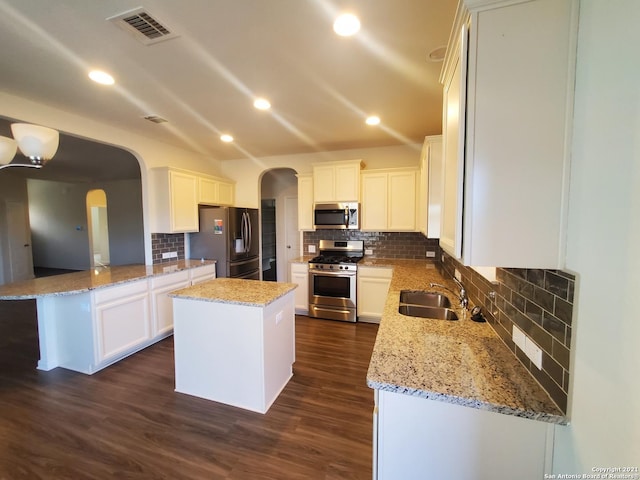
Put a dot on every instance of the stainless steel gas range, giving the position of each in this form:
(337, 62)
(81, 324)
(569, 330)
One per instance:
(333, 279)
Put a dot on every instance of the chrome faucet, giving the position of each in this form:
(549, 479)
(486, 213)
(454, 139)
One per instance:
(462, 295)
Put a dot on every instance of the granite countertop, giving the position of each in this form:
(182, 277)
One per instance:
(461, 362)
(236, 291)
(78, 282)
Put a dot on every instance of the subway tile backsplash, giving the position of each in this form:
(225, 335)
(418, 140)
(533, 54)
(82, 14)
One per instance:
(165, 243)
(540, 303)
(410, 245)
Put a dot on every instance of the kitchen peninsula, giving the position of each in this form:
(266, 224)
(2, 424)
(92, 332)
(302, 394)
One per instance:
(234, 341)
(91, 319)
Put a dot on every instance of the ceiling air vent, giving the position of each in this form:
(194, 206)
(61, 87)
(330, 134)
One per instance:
(155, 119)
(143, 26)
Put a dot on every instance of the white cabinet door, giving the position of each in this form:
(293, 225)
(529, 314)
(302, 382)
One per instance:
(207, 191)
(226, 193)
(453, 111)
(373, 287)
(122, 319)
(323, 184)
(305, 202)
(162, 304)
(374, 201)
(300, 276)
(430, 187)
(402, 201)
(184, 202)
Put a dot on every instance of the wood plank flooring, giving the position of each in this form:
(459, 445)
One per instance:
(126, 422)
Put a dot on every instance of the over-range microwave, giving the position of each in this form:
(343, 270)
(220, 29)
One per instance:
(345, 215)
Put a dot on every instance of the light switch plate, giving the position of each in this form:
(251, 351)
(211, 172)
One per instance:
(519, 338)
(170, 255)
(457, 274)
(312, 249)
(534, 352)
(431, 254)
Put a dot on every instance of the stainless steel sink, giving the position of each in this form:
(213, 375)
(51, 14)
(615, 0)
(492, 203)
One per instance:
(423, 311)
(424, 298)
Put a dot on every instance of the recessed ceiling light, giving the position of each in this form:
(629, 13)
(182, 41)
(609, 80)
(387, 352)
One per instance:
(226, 138)
(262, 104)
(346, 25)
(101, 77)
(372, 120)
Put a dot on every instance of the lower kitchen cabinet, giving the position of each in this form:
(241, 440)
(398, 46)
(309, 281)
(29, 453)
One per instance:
(300, 276)
(373, 286)
(88, 331)
(122, 320)
(417, 438)
(162, 304)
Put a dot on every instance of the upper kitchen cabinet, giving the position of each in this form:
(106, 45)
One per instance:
(176, 200)
(430, 187)
(177, 194)
(507, 120)
(337, 181)
(305, 202)
(389, 199)
(215, 191)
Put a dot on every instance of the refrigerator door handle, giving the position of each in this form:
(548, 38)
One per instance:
(250, 232)
(244, 232)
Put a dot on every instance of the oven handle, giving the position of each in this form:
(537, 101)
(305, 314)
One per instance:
(342, 273)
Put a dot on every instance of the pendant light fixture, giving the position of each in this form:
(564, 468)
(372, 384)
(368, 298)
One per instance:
(39, 144)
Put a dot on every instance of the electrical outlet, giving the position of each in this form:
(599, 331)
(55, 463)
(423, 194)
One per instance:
(519, 338)
(431, 254)
(368, 251)
(534, 352)
(457, 274)
(170, 255)
(312, 249)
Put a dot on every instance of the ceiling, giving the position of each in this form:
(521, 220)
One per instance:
(225, 53)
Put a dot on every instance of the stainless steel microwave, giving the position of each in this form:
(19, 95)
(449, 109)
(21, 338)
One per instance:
(336, 216)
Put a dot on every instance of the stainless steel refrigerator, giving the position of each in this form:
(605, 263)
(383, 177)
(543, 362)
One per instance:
(230, 236)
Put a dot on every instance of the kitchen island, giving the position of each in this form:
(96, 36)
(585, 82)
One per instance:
(91, 319)
(234, 341)
(451, 400)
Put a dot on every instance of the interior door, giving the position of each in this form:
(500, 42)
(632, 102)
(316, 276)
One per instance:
(20, 254)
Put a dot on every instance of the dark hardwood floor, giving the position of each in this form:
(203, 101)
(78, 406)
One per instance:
(126, 422)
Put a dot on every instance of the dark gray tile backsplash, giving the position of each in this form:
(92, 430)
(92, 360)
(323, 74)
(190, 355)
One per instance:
(410, 245)
(540, 303)
(165, 243)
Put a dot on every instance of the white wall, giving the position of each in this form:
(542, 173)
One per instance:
(247, 172)
(149, 153)
(59, 227)
(603, 242)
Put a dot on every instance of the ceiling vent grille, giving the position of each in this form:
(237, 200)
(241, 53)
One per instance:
(155, 119)
(143, 26)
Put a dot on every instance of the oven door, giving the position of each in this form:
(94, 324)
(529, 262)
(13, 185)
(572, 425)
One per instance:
(332, 295)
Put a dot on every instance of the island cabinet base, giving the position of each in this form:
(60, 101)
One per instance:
(417, 438)
(234, 354)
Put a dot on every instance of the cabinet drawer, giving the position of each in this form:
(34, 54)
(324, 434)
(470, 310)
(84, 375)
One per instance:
(169, 279)
(375, 272)
(116, 293)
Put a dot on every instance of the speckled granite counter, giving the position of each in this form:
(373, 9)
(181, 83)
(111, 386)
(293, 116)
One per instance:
(236, 291)
(460, 362)
(77, 282)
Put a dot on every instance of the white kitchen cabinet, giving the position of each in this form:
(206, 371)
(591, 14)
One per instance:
(300, 276)
(305, 202)
(175, 201)
(162, 304)
(337, 181)
(202, 274)
(373, 286)
(418, 438)
(430, 187)
(215, 191)
(389, 200)
(122, 318)
(508, 129)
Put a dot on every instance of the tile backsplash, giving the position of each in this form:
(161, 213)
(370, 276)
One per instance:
(540, 303)
(410, 245)
(165, 243)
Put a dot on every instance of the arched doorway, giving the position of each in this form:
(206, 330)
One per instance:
(279, 214)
